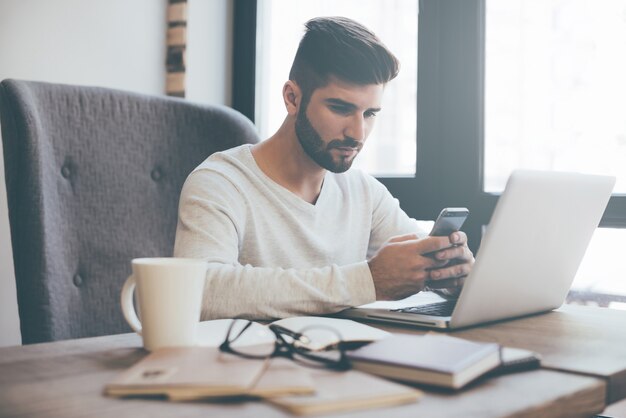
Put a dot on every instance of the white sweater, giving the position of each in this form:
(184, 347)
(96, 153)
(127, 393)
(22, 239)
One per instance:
(271, 253)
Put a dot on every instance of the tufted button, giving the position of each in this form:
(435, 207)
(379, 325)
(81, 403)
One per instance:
(66, 171)
(156, 174)
(78, 281)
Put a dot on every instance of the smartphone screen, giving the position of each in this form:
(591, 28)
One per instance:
(449, 221)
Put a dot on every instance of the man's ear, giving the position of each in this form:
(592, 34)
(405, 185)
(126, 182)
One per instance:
(292, 96)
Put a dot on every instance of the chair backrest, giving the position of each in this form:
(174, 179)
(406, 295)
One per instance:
(93, 180)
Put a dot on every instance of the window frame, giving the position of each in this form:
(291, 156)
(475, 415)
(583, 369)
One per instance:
(244, 57)
(450, 112)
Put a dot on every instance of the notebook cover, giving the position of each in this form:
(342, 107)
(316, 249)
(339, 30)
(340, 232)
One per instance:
(441, 354)
(195, 369)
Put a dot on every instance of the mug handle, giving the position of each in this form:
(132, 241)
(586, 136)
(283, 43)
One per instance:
(128, 308)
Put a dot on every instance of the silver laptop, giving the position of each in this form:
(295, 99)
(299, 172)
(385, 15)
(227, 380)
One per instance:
(528, 257)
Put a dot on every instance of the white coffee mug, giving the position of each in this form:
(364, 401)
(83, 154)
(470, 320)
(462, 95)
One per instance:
(169, 297)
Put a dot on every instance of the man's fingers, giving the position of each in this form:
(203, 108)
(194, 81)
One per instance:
(458, 238)
(431, 245)
(458, 270)
(401, 238)
(427, 263)
(421, 246)
(455, 253)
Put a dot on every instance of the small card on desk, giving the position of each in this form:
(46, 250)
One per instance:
(516, 360)
(205, 372)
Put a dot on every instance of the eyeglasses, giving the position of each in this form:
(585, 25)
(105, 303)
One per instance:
(297, 346)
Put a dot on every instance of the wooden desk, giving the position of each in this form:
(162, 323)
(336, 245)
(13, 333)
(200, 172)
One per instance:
(579, 339)
(66, 378)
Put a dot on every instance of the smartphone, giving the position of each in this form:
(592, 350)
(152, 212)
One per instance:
(449, 220)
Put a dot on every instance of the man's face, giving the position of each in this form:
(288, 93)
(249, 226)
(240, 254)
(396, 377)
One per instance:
(334, 125)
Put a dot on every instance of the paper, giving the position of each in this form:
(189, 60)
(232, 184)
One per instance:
(347, 391)
(422, 298)
(213, 333)
(316, 328)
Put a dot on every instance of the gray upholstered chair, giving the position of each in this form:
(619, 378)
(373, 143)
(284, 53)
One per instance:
(93, 179)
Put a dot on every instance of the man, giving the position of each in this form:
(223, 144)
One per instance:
(287, 229)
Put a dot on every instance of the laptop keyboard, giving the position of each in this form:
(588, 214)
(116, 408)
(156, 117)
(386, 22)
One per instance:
(444, 308)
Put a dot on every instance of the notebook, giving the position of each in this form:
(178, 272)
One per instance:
(434, 360)
(534, 243)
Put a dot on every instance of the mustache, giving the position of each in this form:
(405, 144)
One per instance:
(345, 143)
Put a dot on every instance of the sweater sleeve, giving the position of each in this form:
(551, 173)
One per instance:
(212, 215)
(388, 219)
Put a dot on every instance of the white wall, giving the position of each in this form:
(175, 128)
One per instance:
(108, 43)
(209, 51)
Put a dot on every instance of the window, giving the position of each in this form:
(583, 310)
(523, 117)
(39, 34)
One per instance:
(600, 278)
(555, 90)
(554, 99)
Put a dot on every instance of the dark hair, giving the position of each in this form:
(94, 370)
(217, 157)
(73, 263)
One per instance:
(340, 47)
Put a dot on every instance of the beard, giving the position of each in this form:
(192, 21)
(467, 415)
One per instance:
(320, 152)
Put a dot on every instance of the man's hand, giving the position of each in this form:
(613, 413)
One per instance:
(400, 270)
(448, 279)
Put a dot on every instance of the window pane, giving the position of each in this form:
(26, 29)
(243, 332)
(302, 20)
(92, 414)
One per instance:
(601, 271)
(555, 88)
(391, 148)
